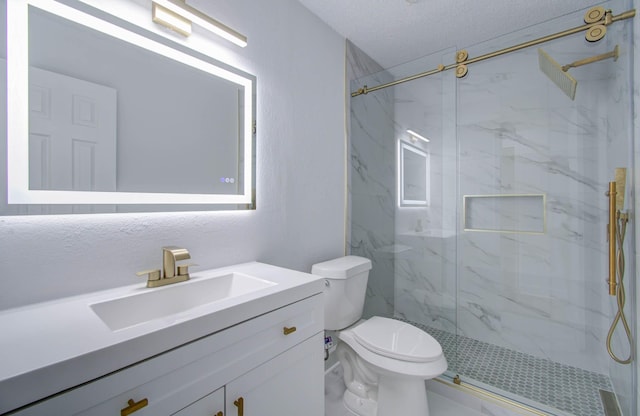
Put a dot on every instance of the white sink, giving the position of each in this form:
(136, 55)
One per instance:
(155, 303)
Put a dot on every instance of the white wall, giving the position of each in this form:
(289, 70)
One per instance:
(299, 220)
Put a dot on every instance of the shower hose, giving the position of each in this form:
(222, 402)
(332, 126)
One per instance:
(622, 220)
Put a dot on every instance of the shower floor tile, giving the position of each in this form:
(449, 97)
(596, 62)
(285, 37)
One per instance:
(569, 389)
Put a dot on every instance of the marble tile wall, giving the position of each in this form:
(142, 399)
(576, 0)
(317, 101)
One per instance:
(511, 131)
(543, 294)
(371, 179)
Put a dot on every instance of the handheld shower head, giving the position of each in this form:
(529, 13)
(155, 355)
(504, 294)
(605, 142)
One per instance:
(621, 182)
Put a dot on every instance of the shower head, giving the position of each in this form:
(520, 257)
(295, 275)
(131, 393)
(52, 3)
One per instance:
(554, 71)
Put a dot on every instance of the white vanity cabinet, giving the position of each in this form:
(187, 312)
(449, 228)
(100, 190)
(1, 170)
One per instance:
(273, 362)
(281, 386)
(210, 405)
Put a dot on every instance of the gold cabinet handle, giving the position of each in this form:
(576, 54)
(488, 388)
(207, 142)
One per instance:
(240, 405)
(219, 414)
(133, 407)
(287, 330)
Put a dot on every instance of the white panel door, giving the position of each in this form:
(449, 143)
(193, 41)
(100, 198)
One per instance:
(72, 135)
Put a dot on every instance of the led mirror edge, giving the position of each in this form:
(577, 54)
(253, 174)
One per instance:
(402, 202)
(18, 191)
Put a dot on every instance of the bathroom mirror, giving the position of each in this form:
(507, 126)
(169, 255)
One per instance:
(413, 186)
(105, 116)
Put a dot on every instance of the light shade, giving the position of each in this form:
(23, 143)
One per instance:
(173, 21)
(181, 8)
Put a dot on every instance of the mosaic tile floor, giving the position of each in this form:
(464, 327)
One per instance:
(559, 386)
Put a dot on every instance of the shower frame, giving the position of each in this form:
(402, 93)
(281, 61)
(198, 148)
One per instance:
(462, 57)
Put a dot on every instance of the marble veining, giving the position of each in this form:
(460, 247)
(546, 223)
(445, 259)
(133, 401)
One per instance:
(503, 129)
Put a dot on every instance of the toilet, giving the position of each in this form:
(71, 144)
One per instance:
(385, 361)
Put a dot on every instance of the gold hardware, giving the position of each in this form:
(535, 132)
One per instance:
(189, 13)
(621, 183)
(133, 406)
(152, 274)
(484, 394)
(363, 90)
(611, 234)
(440, 67)
(461, 70)
(219, 414)
(167, 281)
(461, 56)
(183, 269)
(240, 405)
(594, 14)
(616, 230)
(170, 255)
(615, 53)
(609, 18)
(596, 33)
(288, 331)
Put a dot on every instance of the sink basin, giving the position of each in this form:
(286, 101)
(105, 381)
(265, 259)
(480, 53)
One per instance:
(162, 302)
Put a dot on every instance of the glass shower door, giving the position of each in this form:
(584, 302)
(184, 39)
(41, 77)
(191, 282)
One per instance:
(533, 310)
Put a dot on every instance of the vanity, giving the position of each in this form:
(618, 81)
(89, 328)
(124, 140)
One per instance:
(172, 130)
(241, 340)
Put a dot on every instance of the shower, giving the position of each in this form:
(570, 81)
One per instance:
(503, 254)
(559, 75)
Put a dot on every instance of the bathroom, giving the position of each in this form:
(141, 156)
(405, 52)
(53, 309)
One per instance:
(302, 168)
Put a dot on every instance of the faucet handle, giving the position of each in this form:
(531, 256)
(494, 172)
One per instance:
(183, 269)
(154, 274)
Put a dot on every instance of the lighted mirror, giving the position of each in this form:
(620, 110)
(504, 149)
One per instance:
(413, 171)
(105, 116)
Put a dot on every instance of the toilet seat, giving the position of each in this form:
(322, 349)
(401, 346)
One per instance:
(391, 365)
(396, 339)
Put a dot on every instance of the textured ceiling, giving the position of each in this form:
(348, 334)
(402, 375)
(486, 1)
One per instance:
(393, 32)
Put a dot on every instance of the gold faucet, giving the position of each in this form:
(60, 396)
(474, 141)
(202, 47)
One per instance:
(170, 272)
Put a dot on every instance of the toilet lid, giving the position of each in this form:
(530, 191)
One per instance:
(397, 339)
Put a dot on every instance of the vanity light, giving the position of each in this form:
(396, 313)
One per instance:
(417, 136)
(172, 20)
(193, 15)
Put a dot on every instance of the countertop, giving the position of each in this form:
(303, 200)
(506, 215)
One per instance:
(49, 347)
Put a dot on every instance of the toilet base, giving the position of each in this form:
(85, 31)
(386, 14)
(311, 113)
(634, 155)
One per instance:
(402, 396)
(396, 396)
(358, 405)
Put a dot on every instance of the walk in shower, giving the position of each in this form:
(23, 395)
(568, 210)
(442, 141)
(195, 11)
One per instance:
(481, 202)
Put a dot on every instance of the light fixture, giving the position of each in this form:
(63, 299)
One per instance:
(417, 136)
(193, 15)
(173, 21)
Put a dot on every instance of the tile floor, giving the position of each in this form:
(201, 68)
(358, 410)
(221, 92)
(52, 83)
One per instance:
(443, 400)
(569, 389)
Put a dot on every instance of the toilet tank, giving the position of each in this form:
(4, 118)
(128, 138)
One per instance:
(344, 291)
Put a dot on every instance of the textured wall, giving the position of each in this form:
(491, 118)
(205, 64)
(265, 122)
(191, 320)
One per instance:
(299, 64)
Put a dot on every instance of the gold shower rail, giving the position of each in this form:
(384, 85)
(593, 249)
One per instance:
(606, 20)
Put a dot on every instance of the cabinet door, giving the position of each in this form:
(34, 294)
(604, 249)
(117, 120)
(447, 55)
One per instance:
(292, 383)
(210, 405)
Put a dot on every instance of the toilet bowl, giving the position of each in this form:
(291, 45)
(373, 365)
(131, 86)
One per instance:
(385, 361)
